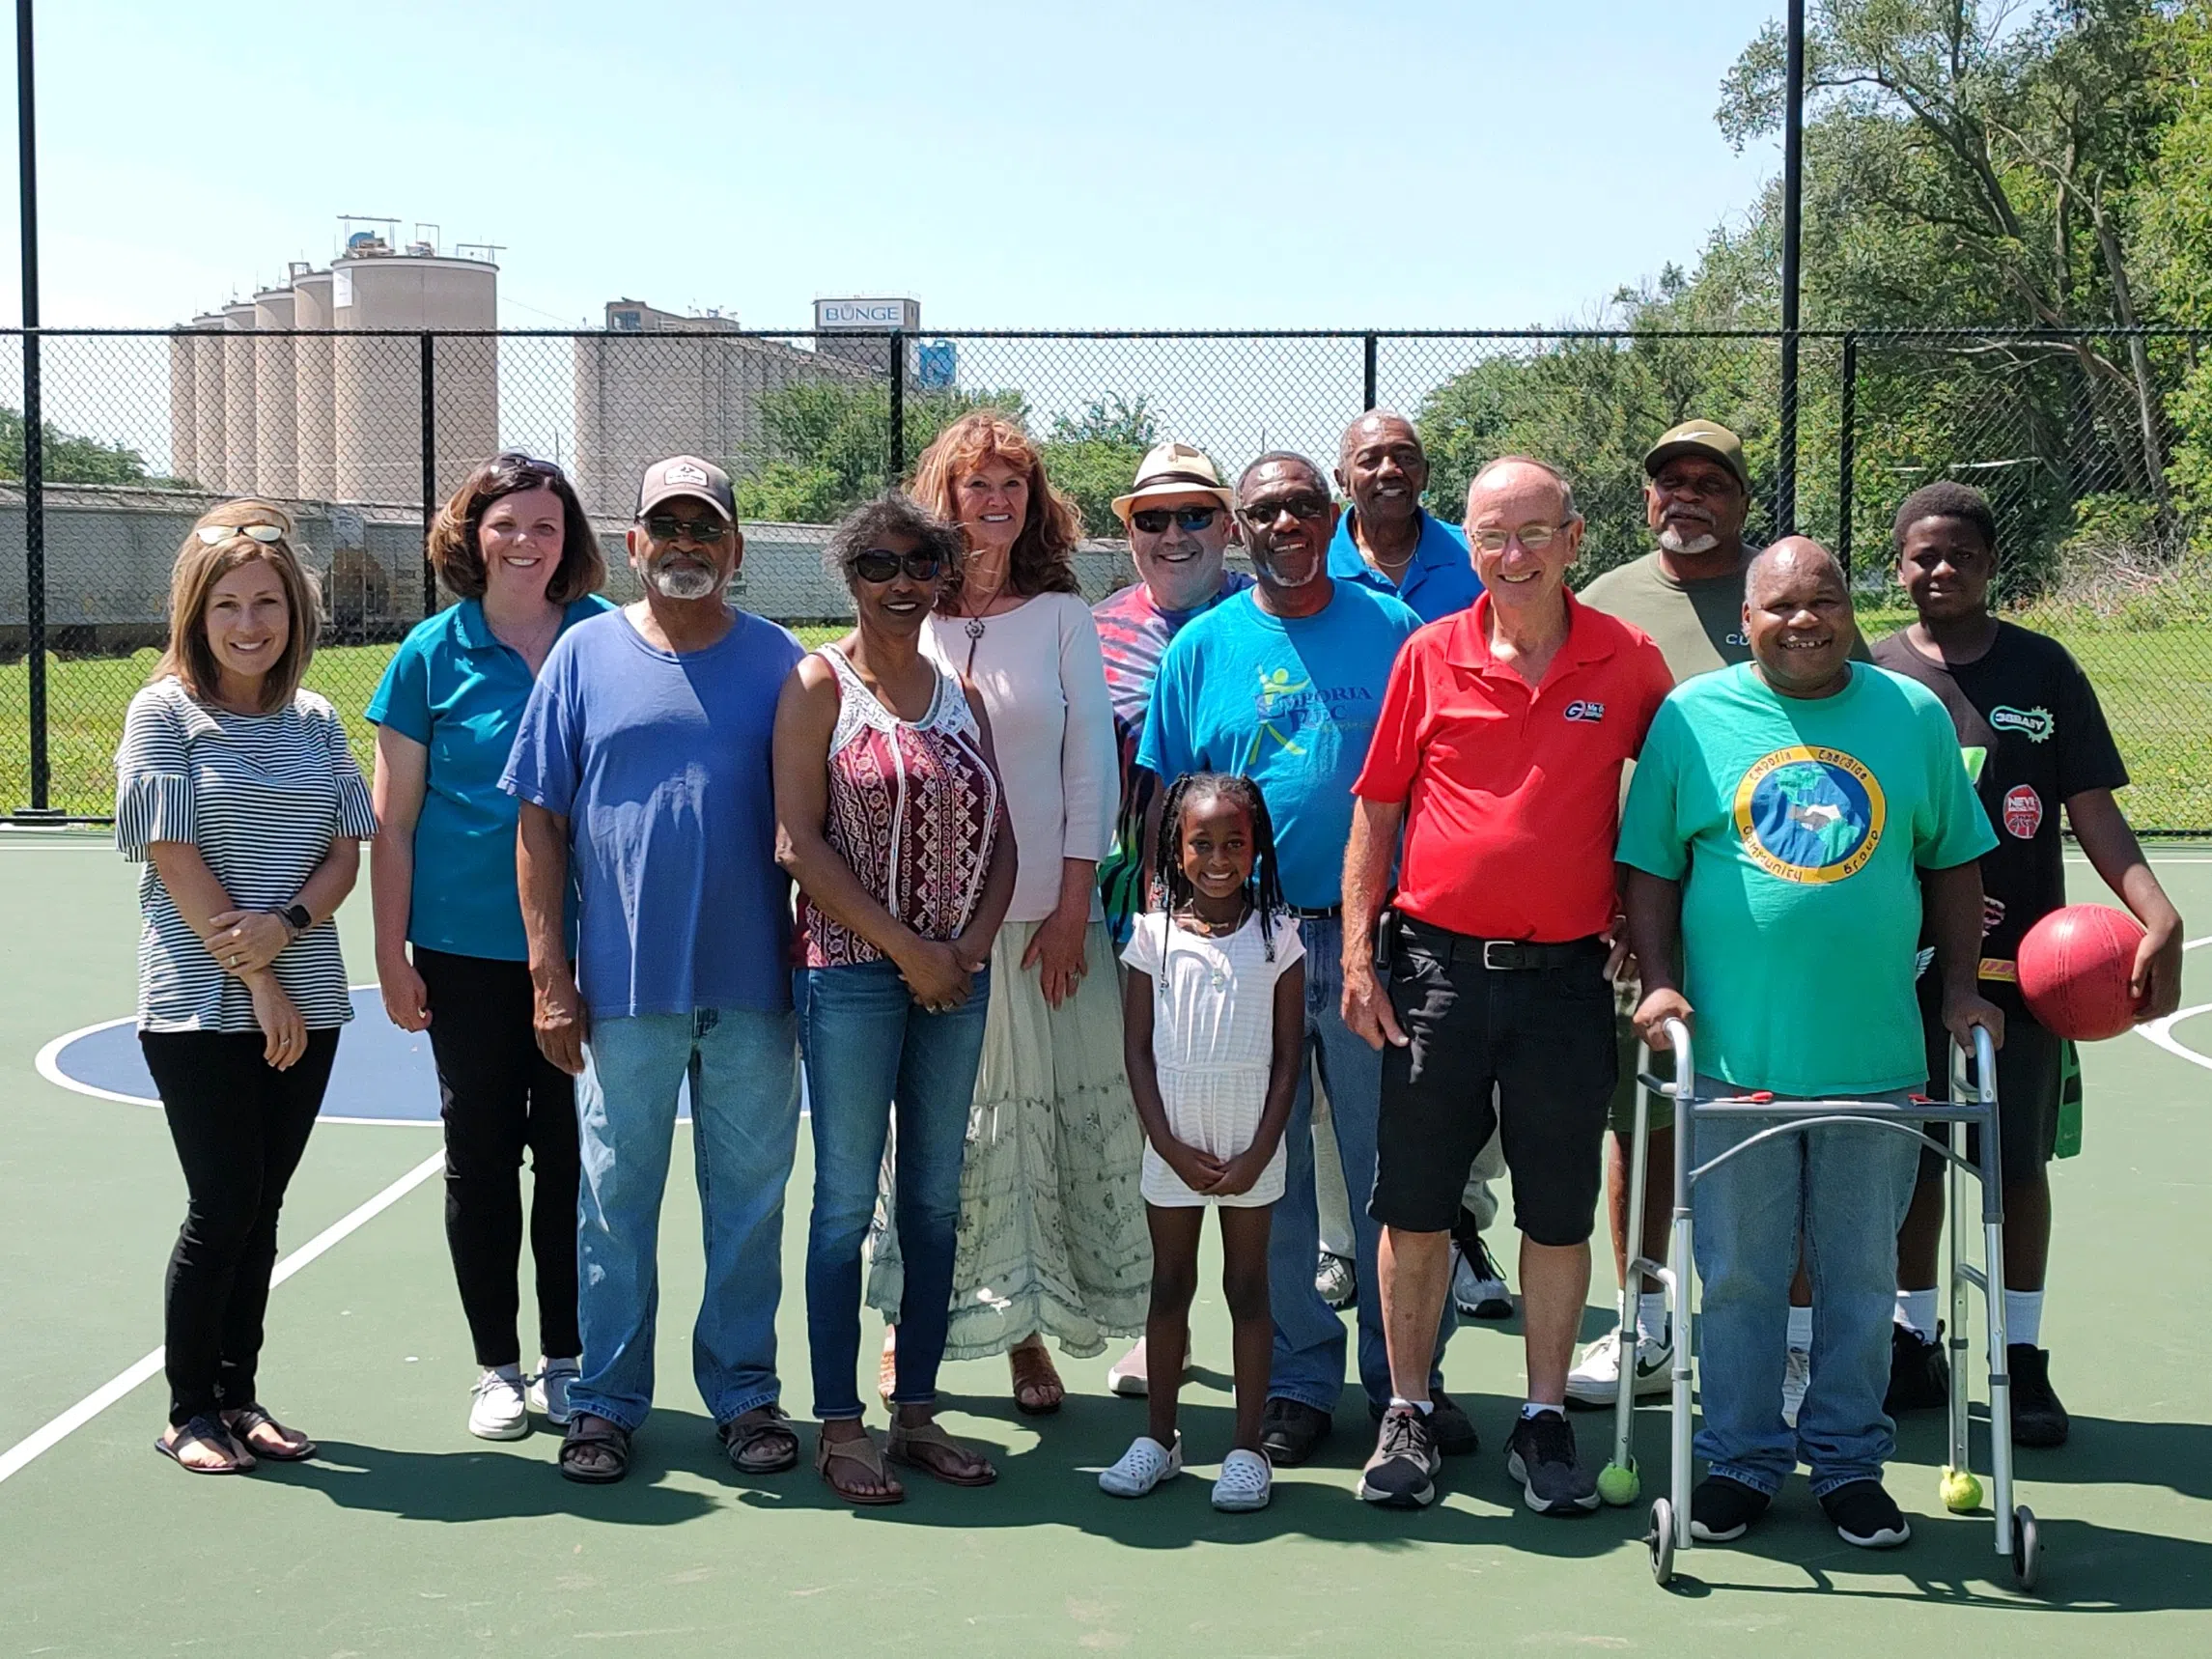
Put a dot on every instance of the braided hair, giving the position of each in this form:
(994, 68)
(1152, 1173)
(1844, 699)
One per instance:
(1264, 890)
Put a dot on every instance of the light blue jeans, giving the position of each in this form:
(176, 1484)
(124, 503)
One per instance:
(743, 1066)
(1310, 1334)
(1847, 1190)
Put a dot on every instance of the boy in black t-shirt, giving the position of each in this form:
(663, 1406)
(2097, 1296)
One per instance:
(2034, 739)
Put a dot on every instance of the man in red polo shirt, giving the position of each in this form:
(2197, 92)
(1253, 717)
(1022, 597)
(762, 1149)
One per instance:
(1499, 752)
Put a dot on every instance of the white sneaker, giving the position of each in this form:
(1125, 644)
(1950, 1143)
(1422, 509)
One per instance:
(548, 1392)
(1126, 1376)
(1796, 1377)
(499, 1411)
(1143, 1467)
(1248, 1482)
(1477, 1287)
(1595, 1380)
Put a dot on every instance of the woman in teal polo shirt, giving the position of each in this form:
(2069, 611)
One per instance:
(514, 543)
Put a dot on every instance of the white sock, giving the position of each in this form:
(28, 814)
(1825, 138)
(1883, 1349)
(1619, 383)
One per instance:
(1916, 1311)
(513, 1373)
(1801, 1328)
(1424, 1407)
(2024, 1317)
(1537, 1408)
(1651, 1315)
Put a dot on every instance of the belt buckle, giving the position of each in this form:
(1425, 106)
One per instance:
(1510, 965)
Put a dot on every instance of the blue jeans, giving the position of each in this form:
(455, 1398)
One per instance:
(870, 1051)
(1847, 1190)
(743, 1066)
(1310, 1334)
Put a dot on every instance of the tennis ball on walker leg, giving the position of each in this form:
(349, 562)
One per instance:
(1961, 1491)
(1619, 1485)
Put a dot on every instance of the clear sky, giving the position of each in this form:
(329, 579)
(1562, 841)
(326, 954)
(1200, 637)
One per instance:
(1230, 163)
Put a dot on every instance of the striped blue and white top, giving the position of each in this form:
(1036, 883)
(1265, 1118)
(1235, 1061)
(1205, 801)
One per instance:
(263, 796)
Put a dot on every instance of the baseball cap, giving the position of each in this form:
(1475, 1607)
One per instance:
(1174, 468)
(1706, 437)
(687, 475)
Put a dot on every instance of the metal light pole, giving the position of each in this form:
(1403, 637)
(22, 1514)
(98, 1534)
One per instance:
(1793, 203)
(34, 417)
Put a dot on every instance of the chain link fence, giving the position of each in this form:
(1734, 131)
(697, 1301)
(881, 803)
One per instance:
(2095, 449)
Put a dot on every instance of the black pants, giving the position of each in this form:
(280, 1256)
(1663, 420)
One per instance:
(500, 1096)
(239, 1126)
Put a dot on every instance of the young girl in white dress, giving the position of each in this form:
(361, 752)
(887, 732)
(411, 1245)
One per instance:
(1213, 1012)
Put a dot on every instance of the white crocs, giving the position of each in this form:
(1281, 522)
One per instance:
(1247, 1482)
(1143, 1467)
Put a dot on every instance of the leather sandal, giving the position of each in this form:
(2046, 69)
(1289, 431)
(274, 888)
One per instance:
(863, 1453)
(610, 1439)
(297, 1447)
(926, 1446)
(1037, 1387)
(760, 1441)
(208, 1431)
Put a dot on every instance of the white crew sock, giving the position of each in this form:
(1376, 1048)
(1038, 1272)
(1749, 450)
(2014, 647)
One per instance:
(1801, 1328)
(1651, 1315)
(1916, 1311)
(1424, 1407)
(2024, 1317)
(1537, 1408)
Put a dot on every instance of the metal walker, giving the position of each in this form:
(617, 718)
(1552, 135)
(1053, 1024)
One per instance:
(1961, 1491)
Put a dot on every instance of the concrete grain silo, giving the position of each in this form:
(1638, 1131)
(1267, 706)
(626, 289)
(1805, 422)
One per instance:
(276, 468)
(311, 384)
(238, 436)
(208, 357)
(377, 381)
(184, 413)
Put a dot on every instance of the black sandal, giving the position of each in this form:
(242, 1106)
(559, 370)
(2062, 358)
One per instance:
(762, 1426)
(246, 1419)
(609, 1437)
(208, 1430)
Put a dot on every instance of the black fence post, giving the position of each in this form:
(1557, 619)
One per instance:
(34, 418)
(1368, 399)
(1847, 449)
(430, 465)
(895, 459)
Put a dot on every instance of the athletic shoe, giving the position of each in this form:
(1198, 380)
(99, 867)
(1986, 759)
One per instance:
(1452, 1429)
(1477, 1287)
(1540, 1454)
(1290, 1430)
(1247, 1484)
(1867, 1516)
(1919, 1372)
(1126, 1376)
(548, 1392)
(1337, 1279)
(1402, 1473)
(1796, 1377)
(498, 1411)
(1721, 1510)
(1143, 1467)
(1595, 1380)
(2037, 1416)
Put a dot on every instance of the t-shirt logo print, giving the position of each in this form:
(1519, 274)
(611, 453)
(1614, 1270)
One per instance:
(2036, 725)
(1278, 697)
(1580, 709)
(1810, 814)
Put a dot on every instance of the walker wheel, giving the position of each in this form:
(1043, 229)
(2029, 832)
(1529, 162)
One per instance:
(1660, 1538)
(2027, 1547)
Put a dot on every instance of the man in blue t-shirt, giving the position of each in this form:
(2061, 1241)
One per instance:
(643, 757)
(1281, 683)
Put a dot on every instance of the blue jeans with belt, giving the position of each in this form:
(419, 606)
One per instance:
(872, 1053)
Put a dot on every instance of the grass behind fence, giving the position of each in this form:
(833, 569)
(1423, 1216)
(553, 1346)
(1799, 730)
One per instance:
(2155, 684)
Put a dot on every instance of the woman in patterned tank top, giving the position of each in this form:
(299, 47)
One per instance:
(890, 815)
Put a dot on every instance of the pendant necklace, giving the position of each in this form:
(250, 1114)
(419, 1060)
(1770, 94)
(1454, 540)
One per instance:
(975, 621)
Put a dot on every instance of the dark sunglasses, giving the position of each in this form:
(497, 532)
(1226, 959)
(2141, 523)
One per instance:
(1261, 514)
(880, 565)
(515, 461)
(668, 528)
(1154, 519)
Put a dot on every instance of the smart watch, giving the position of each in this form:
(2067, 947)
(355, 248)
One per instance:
(297, 917)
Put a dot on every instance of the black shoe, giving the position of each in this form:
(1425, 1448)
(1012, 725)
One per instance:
(1448, 1426)
(1721, 1510)
(1919, 1372)
(1402, 1473)
(1290, 1430)
(1867, 1516)
(1540, 1454)
(2037, 1416)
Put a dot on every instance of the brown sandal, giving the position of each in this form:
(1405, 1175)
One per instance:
(862, 1453)
(1037, 1387)
(926, 1446)
(759, 1442)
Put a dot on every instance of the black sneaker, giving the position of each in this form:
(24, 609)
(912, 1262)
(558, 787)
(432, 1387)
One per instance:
(1450, 1428)
(1290, 1430)
(1402, 1473)
(1867, 1516)
(1919, 1371)
(1540, 1454)
(2037, 1416)
(1721, 1510)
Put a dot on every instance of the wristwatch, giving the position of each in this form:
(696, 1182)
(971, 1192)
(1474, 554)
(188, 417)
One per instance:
(297, 917)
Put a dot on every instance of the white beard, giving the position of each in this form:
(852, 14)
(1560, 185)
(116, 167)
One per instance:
(1676, 542)
(684, 581)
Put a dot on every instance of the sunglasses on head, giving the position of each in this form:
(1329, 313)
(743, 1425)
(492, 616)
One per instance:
(213, 535)
(1154, 519)
(668, 528)
(880, 565)
(1262, 513)
(515, 461)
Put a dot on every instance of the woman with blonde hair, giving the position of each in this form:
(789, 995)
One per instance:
(237, 792)
(1052, 1235)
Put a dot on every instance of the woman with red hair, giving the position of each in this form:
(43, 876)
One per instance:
(1051, 1236)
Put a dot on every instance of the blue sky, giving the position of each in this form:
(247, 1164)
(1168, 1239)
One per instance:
(1292, 164)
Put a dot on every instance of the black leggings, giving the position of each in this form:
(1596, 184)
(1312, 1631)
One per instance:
(502, 1095)
(240, 1126)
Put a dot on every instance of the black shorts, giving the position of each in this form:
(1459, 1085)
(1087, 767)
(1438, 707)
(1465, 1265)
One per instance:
(1542, 1036)
(2030, 1071)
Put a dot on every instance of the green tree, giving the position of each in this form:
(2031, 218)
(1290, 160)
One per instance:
(69, 458)
(2176, 199)
(826, 442)
(1093, 457)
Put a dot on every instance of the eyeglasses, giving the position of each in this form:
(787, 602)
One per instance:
(880, 565)
(1261, 514)
(1154, 519)
(1535, 537)
(214, 535)
(668, 528)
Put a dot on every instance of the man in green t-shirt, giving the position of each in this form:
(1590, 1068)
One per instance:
(1790, 820)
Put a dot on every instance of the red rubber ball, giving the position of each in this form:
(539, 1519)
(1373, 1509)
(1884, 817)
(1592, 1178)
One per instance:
(2075, 965)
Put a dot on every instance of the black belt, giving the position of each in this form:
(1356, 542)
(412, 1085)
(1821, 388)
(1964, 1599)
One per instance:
(1328, 912)
(1499, 955)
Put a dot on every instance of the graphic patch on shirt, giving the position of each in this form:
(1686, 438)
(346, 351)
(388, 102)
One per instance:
(1810, 814)
(2023, 811)
(1582, 710)
(2036, 725)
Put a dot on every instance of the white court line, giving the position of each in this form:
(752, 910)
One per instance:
(45, 1439)
(2160, 1031)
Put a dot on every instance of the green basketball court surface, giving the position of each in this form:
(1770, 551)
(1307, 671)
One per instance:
(406, 1536)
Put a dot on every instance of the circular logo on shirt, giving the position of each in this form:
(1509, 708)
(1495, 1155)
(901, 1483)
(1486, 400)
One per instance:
(1810, 814)
(2023, 811)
